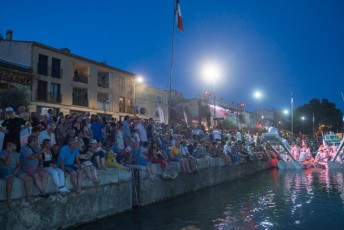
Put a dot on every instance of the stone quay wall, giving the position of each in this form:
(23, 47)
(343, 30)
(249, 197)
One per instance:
(118, 192)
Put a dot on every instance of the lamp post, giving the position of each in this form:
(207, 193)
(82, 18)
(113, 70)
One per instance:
(258, 95)
(303, 124)
(286, 112)
(138, 80)
(211, 72)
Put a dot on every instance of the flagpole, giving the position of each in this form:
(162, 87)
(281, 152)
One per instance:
(292, 116)
(313, 126)
(171, 63)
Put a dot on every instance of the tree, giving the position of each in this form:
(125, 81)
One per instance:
(325, 113)
(14, 97)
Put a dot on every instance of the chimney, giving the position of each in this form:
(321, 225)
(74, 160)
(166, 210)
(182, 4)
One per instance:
(9, 35)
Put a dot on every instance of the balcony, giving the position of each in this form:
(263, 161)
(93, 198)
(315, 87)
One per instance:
(48, 97)
(130, 109)
(55, 98)
(79, 77)
(80, 102)
(103, 106)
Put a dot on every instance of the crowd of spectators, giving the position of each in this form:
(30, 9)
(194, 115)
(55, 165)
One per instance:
(35, 145)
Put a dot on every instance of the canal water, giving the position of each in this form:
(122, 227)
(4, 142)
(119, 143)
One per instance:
(272, 199)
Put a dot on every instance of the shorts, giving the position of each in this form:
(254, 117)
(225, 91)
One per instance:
(6, 173)
(70, 168)
(31, 170)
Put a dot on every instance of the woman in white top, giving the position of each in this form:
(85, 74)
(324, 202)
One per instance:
(49, 165)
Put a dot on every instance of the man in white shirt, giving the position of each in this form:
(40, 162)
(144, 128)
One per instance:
(48, 134)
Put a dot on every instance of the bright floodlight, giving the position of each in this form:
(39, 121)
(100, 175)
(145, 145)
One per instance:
(285, 111)
(139, 79)
(257, 94)
(303, 118)
(211, 72)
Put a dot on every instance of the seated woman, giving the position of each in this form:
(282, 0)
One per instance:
(140, 155)
(155, 156)
(86, 163)
(98, 155)
(49, 165)
(110, 161)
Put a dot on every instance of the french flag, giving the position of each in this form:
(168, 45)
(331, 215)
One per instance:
(180, 25)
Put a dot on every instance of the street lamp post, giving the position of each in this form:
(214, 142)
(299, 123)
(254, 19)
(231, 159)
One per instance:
(286, 112)
(211, 71)
(303, 124)
(258, 95)
(137, 80)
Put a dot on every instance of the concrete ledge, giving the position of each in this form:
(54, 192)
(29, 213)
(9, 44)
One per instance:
(118, 191)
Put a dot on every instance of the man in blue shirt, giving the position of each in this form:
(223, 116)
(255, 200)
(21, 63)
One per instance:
(68, 154)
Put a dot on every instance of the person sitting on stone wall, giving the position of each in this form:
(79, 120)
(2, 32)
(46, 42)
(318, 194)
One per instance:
(110, 161)
(155, 155)
(31, 160)
(98, 156)
(49, 164)
(216, 150)
(10, 168)
(175, 155)
(68, 154)
(186, 155)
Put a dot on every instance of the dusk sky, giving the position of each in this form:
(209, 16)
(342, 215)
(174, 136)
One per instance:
(275, 46)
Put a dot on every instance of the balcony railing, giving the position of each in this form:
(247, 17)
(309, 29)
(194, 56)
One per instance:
(130, 109)
(80, 102)
(48, 97)
(55, 98)
(78, 77)
(47, 71)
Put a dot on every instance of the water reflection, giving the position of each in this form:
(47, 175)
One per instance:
(272, 199)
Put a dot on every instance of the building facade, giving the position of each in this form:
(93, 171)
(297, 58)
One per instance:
(70, 83)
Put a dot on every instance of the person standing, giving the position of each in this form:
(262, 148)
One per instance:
(12, 127)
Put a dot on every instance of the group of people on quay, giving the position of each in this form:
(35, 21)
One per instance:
(35, 145)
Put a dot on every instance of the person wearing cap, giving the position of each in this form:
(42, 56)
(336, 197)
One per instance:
(98, 156)
(12, 127)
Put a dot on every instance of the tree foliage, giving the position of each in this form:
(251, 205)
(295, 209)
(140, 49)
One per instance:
(14, 97)
(325, 114)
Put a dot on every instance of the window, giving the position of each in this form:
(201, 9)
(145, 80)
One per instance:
(130, 106)
(103, 79)
(158, 99)
(131, 86)
(42, 90)
(42, 67)
(102, 97)
(55, 94)
(142, 111)
(121, 104)
(121, 84)
(56, 67)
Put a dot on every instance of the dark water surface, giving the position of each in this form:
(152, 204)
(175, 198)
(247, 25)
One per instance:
(272, 199)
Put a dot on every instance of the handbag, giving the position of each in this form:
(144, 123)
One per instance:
(87, 163)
